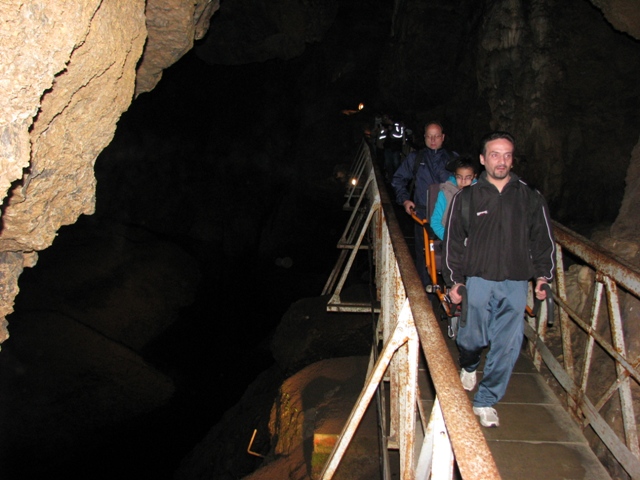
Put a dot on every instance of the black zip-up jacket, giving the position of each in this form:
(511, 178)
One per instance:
(509, 234)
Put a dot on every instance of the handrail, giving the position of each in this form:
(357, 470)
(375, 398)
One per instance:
(470, 448)
(406, 321)
(600, 339)
(405, 310)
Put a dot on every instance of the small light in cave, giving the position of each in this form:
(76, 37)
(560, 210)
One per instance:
(351, 112)
(354, 181)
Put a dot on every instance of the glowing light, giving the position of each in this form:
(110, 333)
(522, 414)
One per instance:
(354, 181)
(361, 106)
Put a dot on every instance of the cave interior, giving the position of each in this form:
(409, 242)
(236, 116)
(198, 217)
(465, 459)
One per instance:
(219, 203)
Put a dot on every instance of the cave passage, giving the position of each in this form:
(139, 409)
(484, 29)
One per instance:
(219, 205)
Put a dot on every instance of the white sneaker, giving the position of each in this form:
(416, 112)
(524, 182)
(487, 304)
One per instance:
(468, 379)
(488, 416)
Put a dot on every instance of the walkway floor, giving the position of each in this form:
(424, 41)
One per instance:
(537, 438)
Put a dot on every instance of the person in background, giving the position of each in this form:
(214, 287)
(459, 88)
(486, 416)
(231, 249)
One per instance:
(498, 237)
(393, 147)
(465, 169)
(411, 182)
(382, 131)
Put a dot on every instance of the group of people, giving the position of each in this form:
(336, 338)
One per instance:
(496, 236)
(392, 142)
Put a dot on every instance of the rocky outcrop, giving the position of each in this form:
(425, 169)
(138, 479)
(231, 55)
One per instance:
(554, 74)
(68, 71)
(314, 349)
(627, 225)
(74, 374)
(623, 15)
(318, 335)
(66, 88)
(257, 30)
(172, 28)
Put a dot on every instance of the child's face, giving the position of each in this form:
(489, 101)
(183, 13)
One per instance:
(464, 176)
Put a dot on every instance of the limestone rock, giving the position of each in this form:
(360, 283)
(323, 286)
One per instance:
(308, 333)
(64, 89)
(623, 15)
(172, 27)
(68, 71)
(627, 225)
(79, 384)
(258, 30)
(317, 401)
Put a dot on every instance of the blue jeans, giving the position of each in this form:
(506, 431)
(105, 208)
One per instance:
(495, 319)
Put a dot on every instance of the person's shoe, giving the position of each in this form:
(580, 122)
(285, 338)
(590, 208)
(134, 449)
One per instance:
(488, 416)
(468, 379)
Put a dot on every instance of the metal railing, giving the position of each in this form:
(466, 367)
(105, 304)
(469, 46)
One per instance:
(601, 341)
(406, 322)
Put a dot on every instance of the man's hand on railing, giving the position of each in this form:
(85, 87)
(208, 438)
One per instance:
(541, 293)
(409, 206)
(547, 295)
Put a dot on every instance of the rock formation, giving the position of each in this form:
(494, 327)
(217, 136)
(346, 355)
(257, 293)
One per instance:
(172, 28)
(68, 71)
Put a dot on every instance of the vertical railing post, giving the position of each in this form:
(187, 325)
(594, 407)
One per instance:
(626, 398)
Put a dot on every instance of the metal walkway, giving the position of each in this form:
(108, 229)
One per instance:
(537, 438)
(427, 420)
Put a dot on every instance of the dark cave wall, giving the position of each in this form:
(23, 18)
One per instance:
(420, 68)
(553, 73)
(566, 86)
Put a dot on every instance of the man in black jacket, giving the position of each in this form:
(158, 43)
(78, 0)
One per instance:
(497, 239)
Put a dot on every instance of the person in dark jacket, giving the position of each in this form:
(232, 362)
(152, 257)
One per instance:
(393, 144)
(505, 241)
(427, 166)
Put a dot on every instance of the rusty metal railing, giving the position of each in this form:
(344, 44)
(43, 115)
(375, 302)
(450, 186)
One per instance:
(589, 339)
(427, 446)
(593, 342)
